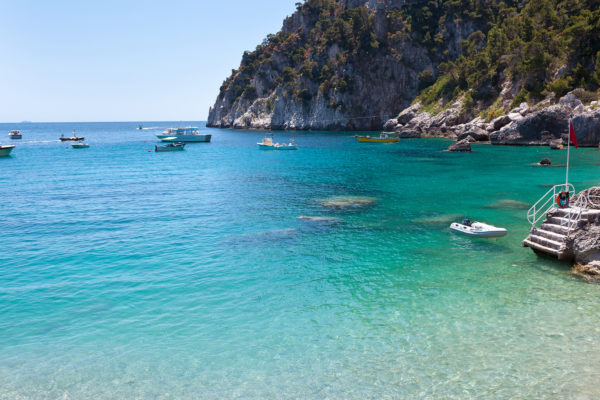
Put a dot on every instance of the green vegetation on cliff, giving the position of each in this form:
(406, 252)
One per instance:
(358, 61)
(547, 47)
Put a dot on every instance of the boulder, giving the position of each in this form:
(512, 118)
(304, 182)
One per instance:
(537, 128)
(545, 161)
(501, 122)
(477, 134)
(390, 125)
(570, 100)
(460, 146)
(409, 133)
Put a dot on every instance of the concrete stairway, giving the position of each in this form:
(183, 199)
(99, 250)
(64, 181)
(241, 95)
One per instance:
(551, 237)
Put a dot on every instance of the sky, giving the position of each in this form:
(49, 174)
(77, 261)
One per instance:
(127, 60)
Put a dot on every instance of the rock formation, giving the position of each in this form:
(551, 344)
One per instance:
(460, 146)
(585, 240)
(346, 64)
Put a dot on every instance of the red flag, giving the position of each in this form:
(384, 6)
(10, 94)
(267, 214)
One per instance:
(572, 136)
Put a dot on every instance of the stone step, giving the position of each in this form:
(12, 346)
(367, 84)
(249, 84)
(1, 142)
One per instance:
(553, 244)
(541, 248)
(558, 237)
(560, 221)
(547, 226)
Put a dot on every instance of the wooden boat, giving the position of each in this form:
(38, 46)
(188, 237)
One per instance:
(15, 135)
(383, 138)
(170, 147)
(73, 138)
(478, 229)
(6, 149)
(80, 145)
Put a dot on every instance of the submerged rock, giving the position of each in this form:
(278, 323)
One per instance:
(460, 146)
(323, 220)
(348, 201)
(508, 203)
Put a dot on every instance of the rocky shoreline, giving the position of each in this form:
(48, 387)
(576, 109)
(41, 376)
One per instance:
(542, 124)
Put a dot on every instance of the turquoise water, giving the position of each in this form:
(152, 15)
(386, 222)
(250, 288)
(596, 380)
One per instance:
(126, 273)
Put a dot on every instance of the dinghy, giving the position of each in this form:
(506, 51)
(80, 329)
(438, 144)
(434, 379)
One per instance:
(478, 229)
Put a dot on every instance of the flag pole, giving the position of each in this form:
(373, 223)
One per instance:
(568, 155)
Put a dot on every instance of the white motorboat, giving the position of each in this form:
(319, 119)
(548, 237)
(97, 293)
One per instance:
(185, 135)
(6, 149)
(268, 144)
(478, 229)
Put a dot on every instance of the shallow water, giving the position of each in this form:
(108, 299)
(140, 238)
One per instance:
(130, 274)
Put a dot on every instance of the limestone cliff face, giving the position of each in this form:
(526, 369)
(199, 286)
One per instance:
(346, 64)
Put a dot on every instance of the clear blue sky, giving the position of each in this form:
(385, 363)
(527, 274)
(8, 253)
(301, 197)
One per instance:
(107, 60)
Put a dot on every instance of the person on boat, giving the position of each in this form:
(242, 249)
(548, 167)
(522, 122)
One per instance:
(466, 222)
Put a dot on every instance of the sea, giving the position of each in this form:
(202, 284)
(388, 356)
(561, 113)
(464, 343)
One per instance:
(131, 274)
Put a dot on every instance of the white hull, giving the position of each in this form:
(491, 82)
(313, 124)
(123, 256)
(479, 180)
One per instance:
(478, 229)
(5, 150)
(187, 138)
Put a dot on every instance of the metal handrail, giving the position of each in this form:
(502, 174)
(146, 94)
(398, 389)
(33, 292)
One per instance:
(574, 214)
(595, 202)
(537, 211)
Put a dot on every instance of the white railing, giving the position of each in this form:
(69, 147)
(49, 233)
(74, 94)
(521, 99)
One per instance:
(547, 202)
(574, 214)
(593, 200)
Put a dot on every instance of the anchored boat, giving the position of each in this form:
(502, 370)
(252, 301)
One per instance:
(383, 138)
(15, 135)
(186, 135)
(267, 144)
(73, 138)
(6, 149)
(170, 147)
(478, 229)
(80, 145)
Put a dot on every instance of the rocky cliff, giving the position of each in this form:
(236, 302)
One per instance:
(346, 64)
(520, 83)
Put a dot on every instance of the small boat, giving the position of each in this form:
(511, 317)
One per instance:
(15, 135)
(290, 146)
(478, 229)
(383, 138)
(73, 138)
(170, 147)
(267, 144)
(80, 145)
(6, 149)
(189, 134)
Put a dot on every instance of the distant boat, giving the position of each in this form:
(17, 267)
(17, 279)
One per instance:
(170, 147)
(478, 229)
(15, 135)
(267, 144)
(383, 138)
(6, 149)
(80, 145)
(189, 134)
(73, 138)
